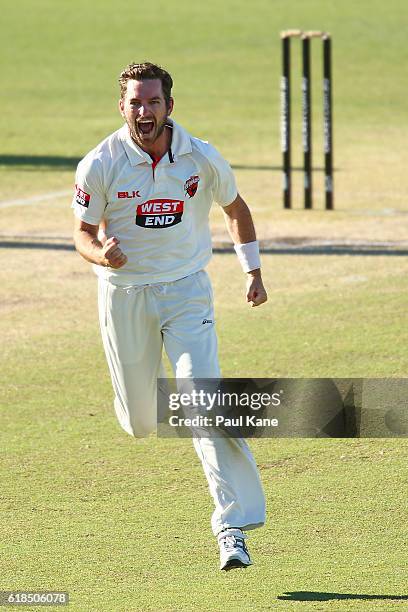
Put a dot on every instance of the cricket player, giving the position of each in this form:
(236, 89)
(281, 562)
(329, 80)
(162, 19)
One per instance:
(141, 203)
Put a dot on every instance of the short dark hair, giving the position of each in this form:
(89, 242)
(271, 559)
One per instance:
(143, 72)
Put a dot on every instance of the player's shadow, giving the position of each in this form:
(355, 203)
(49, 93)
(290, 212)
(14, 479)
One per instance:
(320, 596)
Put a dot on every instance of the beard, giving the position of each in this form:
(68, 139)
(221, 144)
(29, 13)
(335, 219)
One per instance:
(146, 139)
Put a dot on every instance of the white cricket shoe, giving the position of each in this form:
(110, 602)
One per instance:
(233, 552)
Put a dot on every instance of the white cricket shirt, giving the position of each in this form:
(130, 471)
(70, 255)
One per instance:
(159, 214)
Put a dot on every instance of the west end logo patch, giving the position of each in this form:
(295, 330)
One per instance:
(190, 186)
(159, 213)
(81, 197)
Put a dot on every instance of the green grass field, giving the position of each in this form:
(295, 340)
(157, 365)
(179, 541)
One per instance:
(121, 524)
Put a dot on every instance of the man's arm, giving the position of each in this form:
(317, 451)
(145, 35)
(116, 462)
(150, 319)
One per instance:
(241, 229)
(91, 248)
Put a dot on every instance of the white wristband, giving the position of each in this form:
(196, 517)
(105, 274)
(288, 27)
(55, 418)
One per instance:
(248, 255)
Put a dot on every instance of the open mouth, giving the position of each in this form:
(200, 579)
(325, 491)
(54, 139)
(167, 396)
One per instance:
(146, 127)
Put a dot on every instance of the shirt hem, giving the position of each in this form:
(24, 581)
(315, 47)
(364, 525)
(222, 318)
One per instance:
(137, 280)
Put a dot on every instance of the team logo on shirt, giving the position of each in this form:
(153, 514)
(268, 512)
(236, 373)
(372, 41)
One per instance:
(81, 197)
(159, 213)
(190, 186)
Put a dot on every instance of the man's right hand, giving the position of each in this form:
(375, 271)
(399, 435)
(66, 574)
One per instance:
(103, 252)
(112, 255)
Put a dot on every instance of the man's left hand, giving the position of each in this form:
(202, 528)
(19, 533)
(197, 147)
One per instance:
(256, 292)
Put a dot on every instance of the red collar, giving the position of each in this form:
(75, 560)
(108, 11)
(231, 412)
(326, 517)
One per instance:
(155, 160)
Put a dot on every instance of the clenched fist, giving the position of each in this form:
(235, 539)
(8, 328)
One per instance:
(112, 254)
(256, 293)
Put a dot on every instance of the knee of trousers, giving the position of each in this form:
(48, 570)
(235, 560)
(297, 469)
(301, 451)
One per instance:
(134, 420)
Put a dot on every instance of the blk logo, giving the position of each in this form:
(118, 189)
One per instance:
(128, 195)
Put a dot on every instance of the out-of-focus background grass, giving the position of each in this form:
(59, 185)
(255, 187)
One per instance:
(60, 62)
(123, 525)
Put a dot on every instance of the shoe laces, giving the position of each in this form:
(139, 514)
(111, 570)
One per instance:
(229, 542)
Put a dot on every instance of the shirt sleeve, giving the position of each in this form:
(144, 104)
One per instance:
(89, 199)
(225, 188)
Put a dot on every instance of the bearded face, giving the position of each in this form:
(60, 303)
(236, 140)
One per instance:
(145, 110)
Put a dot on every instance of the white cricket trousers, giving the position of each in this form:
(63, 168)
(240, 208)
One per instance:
(135, 323)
